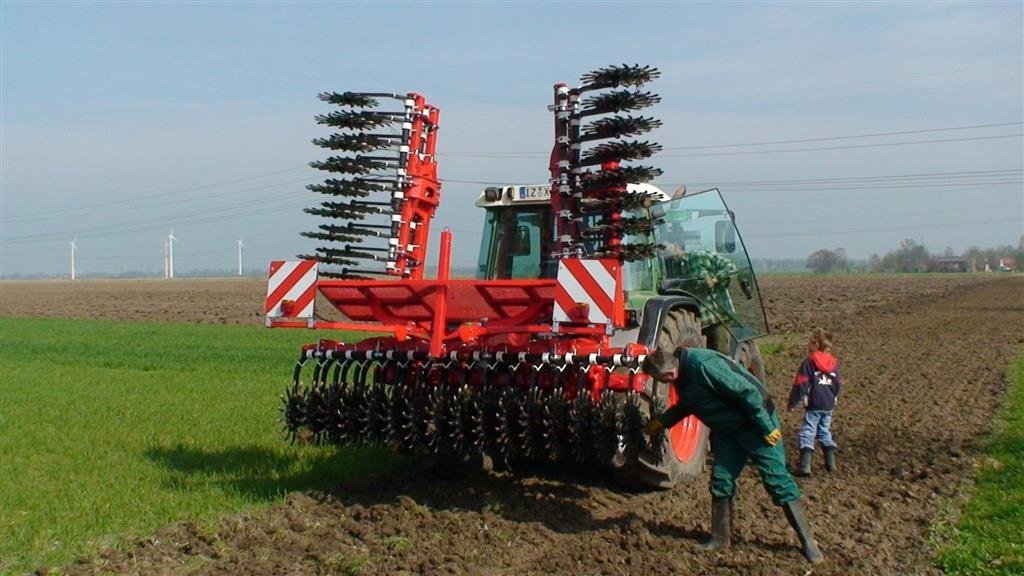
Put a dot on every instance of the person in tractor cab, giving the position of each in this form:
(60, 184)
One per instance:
(708, 274)
(817, 386)
(738, 410)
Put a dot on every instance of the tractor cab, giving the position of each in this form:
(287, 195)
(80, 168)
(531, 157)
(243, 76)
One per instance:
(518, 233)
(700, 254)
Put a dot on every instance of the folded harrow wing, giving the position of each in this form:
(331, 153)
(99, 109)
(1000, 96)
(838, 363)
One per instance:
(537, 358)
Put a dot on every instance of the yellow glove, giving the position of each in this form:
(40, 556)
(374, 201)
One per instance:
(773, 437)
(653, 427)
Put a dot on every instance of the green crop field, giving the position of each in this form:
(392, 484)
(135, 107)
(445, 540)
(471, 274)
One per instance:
(988, 538)
(111, 430)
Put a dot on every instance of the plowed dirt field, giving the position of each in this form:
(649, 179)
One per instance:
(924, 359)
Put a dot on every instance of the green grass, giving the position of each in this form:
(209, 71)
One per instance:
(111, 430)
(989, 537)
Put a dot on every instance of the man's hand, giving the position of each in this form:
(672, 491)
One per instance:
(773, 437)
(653, 426)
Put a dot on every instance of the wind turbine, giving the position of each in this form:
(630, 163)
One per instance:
(74, 250)
(170, 253)
(240, 246)
(166, 261)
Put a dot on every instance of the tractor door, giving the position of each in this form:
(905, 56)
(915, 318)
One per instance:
(703, 255)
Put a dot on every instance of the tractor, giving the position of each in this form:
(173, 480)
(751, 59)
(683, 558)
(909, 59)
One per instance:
(536, 359)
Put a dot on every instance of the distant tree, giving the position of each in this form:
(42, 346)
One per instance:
(824, 261)
(909, 257)
(875, 263)
(975, 259)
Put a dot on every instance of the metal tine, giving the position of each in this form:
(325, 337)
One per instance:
(624, 202)
(349, 271)
(614, 76)
(360, 142)
(356, 164)
(618, 150)
(602, 179)
(371, 226)
(626, 225)
(356, 187)
(581, 427)
(633, 437)
(373, 230)
(619, 101)
(363, 120)
(606, 437)
(359, 99)
(618, 127)
(556, 430)
(355, 207)
(366, 248)
(509, 408)
(333, 234)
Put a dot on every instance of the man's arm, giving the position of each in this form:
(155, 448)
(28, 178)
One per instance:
(673, 415)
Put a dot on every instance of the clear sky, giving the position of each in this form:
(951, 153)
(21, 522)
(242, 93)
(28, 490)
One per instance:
(825, 125)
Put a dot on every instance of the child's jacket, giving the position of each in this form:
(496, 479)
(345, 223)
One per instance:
(817, 382)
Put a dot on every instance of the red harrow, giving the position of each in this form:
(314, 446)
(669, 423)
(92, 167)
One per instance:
(513, 369)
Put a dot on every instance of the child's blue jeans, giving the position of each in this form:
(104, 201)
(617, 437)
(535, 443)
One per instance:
(817, 425)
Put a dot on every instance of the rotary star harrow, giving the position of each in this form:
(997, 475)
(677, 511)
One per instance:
(537, 358)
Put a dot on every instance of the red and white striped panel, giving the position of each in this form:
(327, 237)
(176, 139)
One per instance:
(586, 282)
(292, 283)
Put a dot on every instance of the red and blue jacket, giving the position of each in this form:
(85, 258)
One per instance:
(817, 383)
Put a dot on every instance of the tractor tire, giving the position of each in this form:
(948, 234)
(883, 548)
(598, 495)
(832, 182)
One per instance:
(748, 355)
(683, 449)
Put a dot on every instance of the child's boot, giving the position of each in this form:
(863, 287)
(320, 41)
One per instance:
(805, 462)
(830, 458)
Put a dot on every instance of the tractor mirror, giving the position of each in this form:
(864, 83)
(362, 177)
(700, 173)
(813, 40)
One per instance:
(725, 236)
(522, 247)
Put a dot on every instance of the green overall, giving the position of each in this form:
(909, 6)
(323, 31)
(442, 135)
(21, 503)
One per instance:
(736, 407)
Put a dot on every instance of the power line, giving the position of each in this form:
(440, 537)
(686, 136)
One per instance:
(45, 216)
(76, 211)
(898, 228)
(845, 147)
(763, 143)
(874, 135)
(979, 175)
(160, 195)
(231, 211)
(881, 177)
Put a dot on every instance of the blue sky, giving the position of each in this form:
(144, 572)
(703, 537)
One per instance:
(886, 121)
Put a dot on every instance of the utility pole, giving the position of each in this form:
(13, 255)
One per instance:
(240, 246)
(74, 249)
(170, 253)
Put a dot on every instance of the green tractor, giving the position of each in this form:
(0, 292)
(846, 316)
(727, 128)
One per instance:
(699, 290)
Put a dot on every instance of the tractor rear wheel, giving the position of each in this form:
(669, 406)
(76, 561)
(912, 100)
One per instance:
(683, 448)
(749, 356)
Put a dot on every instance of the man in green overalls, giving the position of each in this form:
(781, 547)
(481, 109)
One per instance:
(737, 409)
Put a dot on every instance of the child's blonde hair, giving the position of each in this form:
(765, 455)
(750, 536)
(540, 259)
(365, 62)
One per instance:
(821, 339)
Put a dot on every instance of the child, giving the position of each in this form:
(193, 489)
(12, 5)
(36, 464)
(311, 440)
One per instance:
(817, 386)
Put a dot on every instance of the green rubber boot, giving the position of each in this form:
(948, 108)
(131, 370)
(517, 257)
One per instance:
(721, 525)
(806, 455)
(830, 458)
(795, 514)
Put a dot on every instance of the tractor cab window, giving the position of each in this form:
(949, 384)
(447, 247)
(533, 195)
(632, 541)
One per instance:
(703, 255)
(515, 244)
